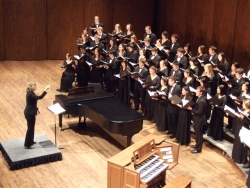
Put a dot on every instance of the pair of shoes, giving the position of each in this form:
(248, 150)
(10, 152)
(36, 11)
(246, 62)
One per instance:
(246, 165)
(172, 136)
(29, 147)
(193, 146)
(195, 151)
(168, 132)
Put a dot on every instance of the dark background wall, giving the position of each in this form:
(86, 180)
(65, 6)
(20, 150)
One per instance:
(47, 29)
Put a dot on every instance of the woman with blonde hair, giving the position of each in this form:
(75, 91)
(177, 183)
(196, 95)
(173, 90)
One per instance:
(31, 111)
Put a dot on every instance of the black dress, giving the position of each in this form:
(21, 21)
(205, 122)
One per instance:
(96, 74)
(124, 87)
(217, 120)
(161, 121)
(68, 76)
(239, 153)
(151, 105)
(183, 126)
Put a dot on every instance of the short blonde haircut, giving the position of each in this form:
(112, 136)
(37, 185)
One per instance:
(247, 103)
(31, 86)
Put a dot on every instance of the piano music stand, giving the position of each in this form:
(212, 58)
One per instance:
(56, 109)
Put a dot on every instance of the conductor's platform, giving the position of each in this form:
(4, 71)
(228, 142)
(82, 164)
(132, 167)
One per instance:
(18, 157)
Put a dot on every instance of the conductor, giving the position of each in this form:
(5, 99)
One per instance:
(31, 111)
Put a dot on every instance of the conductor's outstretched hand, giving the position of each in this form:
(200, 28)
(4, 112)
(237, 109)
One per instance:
(47, 87)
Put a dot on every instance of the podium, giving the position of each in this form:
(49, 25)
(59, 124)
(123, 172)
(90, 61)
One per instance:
(56, 109)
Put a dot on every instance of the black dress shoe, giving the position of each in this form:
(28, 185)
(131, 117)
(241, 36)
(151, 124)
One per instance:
(195, 151)
(246, 166)
(193, 146)
(34, 143)
(29, 147)
(172, 136)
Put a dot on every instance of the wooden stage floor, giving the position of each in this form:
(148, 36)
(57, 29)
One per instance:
(86, 151)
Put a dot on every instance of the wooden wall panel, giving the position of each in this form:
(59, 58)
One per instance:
(1, 32)
(103, 9)
(200, 22)
(139, 13)
(65, 23)
(25, 29)
(241, 50)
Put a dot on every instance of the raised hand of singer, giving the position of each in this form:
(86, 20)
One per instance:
(47, 87)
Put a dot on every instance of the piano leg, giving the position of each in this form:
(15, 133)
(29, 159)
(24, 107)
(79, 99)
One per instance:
(83, 124)
(60, 122)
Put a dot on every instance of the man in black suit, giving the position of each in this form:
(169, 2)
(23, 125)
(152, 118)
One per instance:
(83, 52)
(95, 25)
(31, 111)
(131, 53)
(154, 59)
(212, 54)
(173, 110)
(97, 44)
(147, 47)
(103, 36)
(182, 59)
(150, 35)
(112, 69)
(139, 91)
(176, 72)
(199, 118)
(174, 46)
(239, 81)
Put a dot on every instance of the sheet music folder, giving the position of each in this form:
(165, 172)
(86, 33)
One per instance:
(56, 109)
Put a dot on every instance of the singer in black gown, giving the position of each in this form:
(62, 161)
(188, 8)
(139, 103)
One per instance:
(68, 75)
(96, 73)
(217, 119)
(161, 121)
(184, 119)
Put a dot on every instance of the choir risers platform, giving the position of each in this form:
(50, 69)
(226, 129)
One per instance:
(18, 157)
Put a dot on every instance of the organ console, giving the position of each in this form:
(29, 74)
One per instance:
(143, 164)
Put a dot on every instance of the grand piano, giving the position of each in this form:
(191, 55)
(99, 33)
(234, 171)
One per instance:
(103, 109)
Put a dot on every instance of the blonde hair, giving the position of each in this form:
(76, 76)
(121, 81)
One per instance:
(31, 86)
(208, 70)
(247, 103)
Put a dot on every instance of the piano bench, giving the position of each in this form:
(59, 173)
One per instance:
(179, 182)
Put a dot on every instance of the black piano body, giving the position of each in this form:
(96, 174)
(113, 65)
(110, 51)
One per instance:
(103, 109)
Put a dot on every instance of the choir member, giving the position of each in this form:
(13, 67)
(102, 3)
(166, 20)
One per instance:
(117, 33)
(161, 122)
(139, 91)
(223, 66)
(173, 48)
(187, 51)
(133, 39)
(131, 53)
(121, 50)
(199, 119)
(215, 129)
(83, 40)
(176, 72)
(173, 111)
(147, 47)
(236, 89)
(150, 35)
(96, 74)
(97, 43)
(208, 71)
(212, 54)
(112, 69)
(154, 59)
(82, 69)
(188, 79)
(124, 83)
(141, 55)
(31, 111)
(152, 84)
(184, 120)
(203, 57)
(239, 153)
(112, 45)
(163, 71)
(68, 75)
(165, 41)
(95, 25)
(181, 58)
(128, 33)
(193, 65)
(161, 49)
(103, 36)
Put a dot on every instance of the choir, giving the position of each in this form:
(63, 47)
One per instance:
(170, 86)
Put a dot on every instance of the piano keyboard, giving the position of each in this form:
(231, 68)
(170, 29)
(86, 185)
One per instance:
(150, 168)
(152, 174)
(146, 163)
